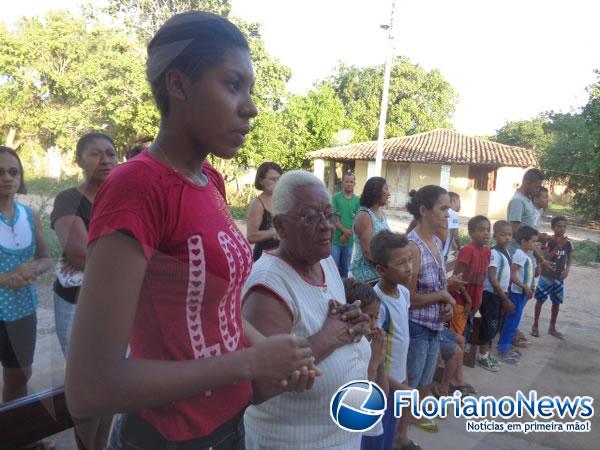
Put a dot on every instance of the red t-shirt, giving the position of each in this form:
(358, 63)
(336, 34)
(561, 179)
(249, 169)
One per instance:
(477, 260)
(190, 302)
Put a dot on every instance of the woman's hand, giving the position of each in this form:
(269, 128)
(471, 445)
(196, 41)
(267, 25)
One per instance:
(16, 281)
(277, 357)
(27, 271)
(351, 314)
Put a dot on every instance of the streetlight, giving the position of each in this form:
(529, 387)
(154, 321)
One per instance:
(384, 95)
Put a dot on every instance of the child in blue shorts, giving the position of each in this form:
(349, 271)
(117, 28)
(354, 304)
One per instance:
(558, 250)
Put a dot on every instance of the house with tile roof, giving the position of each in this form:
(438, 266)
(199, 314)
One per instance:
(484, 173)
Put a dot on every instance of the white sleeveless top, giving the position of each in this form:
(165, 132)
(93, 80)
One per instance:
(293, 421)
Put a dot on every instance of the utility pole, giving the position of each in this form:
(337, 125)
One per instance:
(384, 95)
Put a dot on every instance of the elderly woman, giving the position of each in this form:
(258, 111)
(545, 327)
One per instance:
(289, 291)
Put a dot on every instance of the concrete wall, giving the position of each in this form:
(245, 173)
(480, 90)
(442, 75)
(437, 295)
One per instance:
(424, 174)
(490, 204)
(361, 170)
(507, 180)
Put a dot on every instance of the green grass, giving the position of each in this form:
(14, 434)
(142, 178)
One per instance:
(560, 209)
(586, 252)
(239, 212)
(49, 187)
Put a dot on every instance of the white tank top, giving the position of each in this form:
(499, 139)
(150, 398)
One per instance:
(293, 421)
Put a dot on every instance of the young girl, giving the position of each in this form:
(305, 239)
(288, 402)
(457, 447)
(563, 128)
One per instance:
(166, 264)
(24, 256)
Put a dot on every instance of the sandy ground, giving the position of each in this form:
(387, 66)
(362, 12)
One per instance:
(552, 367)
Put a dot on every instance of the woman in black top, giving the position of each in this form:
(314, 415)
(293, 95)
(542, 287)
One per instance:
(96, 156)
(259, 229)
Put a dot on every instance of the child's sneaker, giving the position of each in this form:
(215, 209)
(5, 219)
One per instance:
(487, 364)
(507, 360)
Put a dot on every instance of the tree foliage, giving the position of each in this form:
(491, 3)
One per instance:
(525, 133)
(62, 76)
(573, 155)
(418, 100)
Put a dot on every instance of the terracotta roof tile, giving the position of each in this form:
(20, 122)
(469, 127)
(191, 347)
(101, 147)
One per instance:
(441, 146)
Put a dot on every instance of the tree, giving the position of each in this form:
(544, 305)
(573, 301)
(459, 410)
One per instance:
(525, 133)
(63, 76)
(306, 123)
(418, 100)
(574, 155)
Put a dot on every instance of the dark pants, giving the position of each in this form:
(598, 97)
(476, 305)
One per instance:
(131, 432)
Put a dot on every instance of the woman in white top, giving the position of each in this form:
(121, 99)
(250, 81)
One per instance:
(290, 291)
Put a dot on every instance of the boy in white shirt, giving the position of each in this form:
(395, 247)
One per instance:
(521, 290)
(393, 263)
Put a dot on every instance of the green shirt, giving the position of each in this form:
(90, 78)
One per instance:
(347, 209)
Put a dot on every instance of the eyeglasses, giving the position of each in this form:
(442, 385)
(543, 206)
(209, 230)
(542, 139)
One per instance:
(13, 172)
(313, 220)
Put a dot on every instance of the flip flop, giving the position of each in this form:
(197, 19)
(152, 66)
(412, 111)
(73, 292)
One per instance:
(557, 334)
(430, 427)
(535, 332)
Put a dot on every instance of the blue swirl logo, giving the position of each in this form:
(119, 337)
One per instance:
(358, 406)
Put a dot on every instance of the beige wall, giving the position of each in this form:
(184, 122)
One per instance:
(490, 204)
(424, 174)
(507, 180)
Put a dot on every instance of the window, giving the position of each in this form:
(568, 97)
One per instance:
(482, 178)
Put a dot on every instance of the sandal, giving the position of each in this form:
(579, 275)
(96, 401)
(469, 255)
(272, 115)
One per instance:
(410, 445)
(428, 425)
(465, 389)
(556, 334)
(535, 332)
(520, 344)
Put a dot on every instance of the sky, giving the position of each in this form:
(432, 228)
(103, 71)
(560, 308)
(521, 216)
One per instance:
(507, 59)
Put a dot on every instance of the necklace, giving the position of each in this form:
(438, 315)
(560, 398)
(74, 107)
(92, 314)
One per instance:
(11, 224)
(201, 181)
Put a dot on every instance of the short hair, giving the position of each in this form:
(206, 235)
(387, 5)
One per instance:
(22, 188)
(532, 175)
(501, 224)
(262, 170)
(453, 196)
(189, 42)
(348, 174)
(427, 196)
(284, 192)
(372, 191)
(475, 221)
(134, 151)
(541, 191)
(557, 219)
(383, 242)
(359, 290)
(525, 233)
(86, 139)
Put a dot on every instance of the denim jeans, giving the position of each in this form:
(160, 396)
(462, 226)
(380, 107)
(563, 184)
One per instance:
(64, 313)
(341, 256)
(423, 351)
(131, 432)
